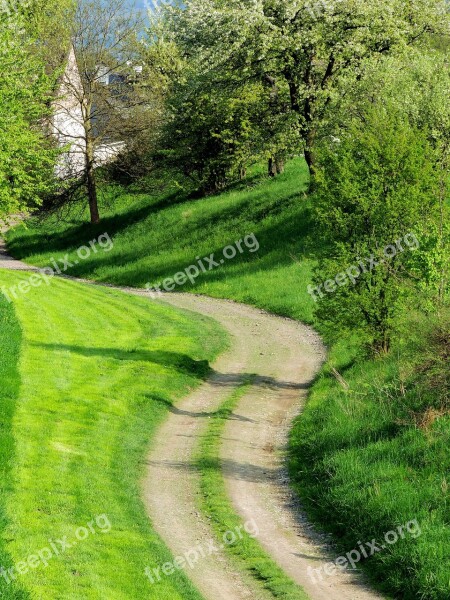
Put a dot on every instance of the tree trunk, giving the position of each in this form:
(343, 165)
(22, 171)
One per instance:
(91, 184)
(309, 157)
(280, 164)
(310, 139)
(276, 166)
(272, 167)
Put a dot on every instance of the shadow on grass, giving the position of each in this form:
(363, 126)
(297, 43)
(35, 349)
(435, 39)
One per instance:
(181, 362)
(71, 237)
(290, 238)
(174, 360)
(281, 244)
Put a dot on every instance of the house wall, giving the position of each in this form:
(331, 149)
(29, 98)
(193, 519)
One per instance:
(68, 126)
(67, 122)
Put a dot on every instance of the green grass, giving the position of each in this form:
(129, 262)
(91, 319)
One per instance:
(98, 371)
(10, 339)
(362, 461)
(156, 237)
(375, 456)
(215, 503)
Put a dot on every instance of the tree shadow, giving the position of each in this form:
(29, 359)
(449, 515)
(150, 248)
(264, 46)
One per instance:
(72, 236)
(180, 362)
(174, 360)
(201, 415)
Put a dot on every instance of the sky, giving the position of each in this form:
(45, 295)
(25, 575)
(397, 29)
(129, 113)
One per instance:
(143, 4)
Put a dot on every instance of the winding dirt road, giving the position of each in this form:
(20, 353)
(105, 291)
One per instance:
(285, 356)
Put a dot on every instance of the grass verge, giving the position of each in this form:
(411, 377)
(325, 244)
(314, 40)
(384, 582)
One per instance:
(10, 339)
(247, 551)
(370, 453)
(98, 369)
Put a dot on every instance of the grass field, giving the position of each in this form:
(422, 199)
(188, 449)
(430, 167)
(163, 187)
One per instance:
(366, 459)
(156, 237)
(98, 370)
(372, 454)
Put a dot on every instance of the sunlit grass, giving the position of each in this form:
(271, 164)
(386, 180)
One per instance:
(98, 369)
(156, 237)
(362, 461)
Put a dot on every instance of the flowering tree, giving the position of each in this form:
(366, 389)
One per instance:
(316, 50)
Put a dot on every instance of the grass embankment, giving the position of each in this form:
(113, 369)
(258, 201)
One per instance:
(366, 460)
(156, 237)
(216, 504)
(372, 453)
(98, 370)
(10, 338)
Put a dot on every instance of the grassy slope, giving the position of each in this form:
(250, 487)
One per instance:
(157, 237)
(376, 456)
(349, 442)
(99, 370)
(10, 338)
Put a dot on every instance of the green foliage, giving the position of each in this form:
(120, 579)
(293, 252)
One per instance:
(319, 50)
(48, 23)
(378, 196)
(215, 134)
(26, 157)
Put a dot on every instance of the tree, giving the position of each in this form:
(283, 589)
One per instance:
(49, 24)
(313, 48)
(102, 89)
(377, 207)
(214, 137)
(416, 86)
(27, 158)
(212, 129)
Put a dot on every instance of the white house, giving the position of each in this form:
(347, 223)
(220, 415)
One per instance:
(68, 121)
(68, 126)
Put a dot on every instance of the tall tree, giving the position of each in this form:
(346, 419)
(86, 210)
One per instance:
(103, 85)
(314, 48)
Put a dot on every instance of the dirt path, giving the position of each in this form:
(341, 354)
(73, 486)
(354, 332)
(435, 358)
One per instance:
(8, 262)
(285, 356)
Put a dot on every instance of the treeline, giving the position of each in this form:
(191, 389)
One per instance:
(266, 80)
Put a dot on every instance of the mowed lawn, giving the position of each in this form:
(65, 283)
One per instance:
(98, 371)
